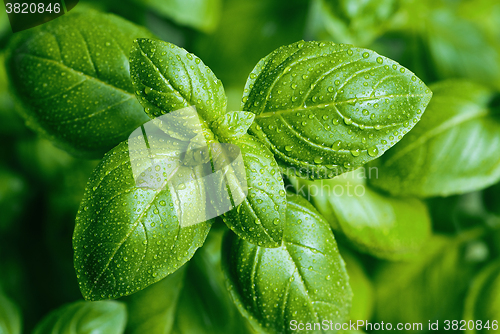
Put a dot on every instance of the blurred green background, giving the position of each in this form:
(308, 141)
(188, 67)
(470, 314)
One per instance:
(41, 186)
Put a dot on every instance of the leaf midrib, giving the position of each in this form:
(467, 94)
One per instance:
(443, 127)
(86, 76)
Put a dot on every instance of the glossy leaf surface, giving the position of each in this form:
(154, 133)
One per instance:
(260, 218)
(323, 107)
(378, 224)
(452, 150)
(73, 75)
(304, 279)
(168, 78)
(233, 124)
(104, 317)
(128, 236)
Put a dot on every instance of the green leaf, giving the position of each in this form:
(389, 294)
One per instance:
(129, 235)
(10, 317)
(344, 21)
(483, 298)
(452, 150)
(81, 317)
(303, 280)
(323, 108)
(192, 300)
(153, 310)
(233, 125)
(73, 75)
(168, 78)
(260, 218)
(431, 287)
(461, 49)
(199, 14)
(381, 225)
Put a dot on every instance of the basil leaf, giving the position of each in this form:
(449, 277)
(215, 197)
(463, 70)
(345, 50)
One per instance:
(349, 22)
(168, 78)
(107, 317)
(378, 224)
(438, 278)
(451, 151)
(129, 236)
(461, 49)
(303, 280)
(234, 124)
(10, 317)
(260, 218)
(363, 298)
(202, 15)
(73, 75)
(153, 310)
(177, 304)
(483, 300)
(323, 108)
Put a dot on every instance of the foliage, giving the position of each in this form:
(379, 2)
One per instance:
(355, 176)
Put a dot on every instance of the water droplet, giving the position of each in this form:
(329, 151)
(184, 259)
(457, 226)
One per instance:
(366, 112)
(347, 121)
(318, 160)
(373, 151)
(355, 153)
(366, 55)
(380, 60)
(288, 148)
(337, 145)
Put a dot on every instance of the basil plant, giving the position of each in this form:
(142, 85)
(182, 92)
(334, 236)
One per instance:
(196, 219)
